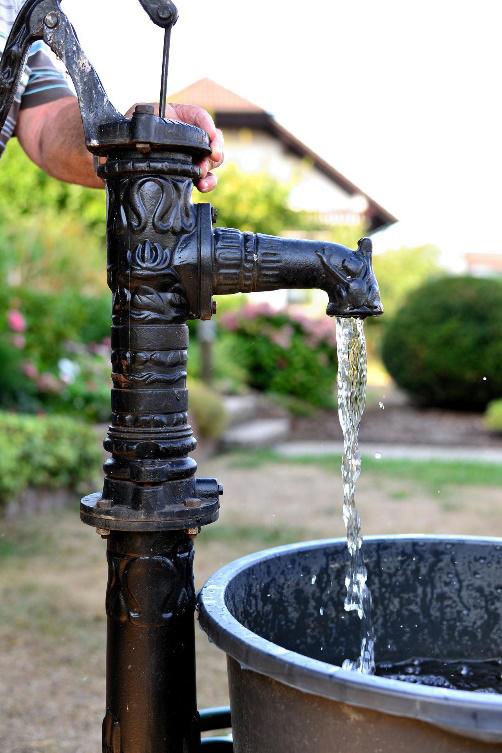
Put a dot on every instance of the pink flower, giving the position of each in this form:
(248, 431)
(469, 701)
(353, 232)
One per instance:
(254, 310)
(18, 341)
(48, 383)
(230, 321)
(282, 337)
(30, 370)
(16, 321)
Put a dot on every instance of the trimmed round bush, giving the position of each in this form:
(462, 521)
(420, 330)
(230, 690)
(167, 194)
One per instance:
(444, 346)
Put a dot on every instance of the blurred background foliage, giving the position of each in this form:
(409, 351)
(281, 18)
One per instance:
(284, 353)
(52, 234)
(46, 452)
(440, 337)
(402, 270)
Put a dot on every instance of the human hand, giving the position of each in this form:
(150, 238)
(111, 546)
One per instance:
(197, 116)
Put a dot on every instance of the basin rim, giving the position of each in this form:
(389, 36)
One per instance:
(474, 715)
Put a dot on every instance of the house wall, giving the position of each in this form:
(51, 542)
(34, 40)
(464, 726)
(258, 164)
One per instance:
(311, 190)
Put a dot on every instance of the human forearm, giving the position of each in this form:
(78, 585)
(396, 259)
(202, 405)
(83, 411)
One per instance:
(52, 135)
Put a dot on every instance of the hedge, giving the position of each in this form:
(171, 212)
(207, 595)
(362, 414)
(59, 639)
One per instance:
(46, 452)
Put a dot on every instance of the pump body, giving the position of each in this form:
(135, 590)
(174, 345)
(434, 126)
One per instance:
(165, 262)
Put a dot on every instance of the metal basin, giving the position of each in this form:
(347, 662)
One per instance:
(279, 617)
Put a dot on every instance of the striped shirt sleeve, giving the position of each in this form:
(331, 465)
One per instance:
(45, 82)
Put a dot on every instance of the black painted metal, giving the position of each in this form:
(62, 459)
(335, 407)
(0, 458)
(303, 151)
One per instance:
(215, 718)
(43, 19)
(217, 745)
(244, 262)
(151, 701)
(165, 263)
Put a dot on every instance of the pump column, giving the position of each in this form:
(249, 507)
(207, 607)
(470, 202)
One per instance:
(152, 505)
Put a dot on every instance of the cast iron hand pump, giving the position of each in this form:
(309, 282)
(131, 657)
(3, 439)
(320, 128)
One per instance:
(165, 263)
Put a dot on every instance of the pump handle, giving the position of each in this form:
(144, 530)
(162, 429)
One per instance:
(44, 19)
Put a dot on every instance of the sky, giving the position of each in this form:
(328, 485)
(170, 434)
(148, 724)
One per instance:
(402, 97)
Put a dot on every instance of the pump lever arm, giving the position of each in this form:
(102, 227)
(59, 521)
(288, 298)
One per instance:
(44, 19)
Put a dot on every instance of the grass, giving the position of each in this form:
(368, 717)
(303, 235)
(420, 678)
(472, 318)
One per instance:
(18, 541)
(259, 535)
(431, 474)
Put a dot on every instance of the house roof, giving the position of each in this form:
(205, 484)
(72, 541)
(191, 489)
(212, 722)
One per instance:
(214, 97)
(230, 110)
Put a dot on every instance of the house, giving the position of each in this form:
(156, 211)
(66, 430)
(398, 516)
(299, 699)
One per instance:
(484, 264)
(256, 142)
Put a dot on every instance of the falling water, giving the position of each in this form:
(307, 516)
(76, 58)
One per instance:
(352, 376)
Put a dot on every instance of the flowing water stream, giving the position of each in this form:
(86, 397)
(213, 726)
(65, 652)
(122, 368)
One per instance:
(352, 377)
(482, 676)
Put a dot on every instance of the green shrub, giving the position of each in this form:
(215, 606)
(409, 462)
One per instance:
(16, 390)
(284, 352)
(83, 384)
(493, 416)
(402, 270)
(228, 376)
(444, 346)
(54, 354)
(49, 452)
(207, 410)
(53, 320)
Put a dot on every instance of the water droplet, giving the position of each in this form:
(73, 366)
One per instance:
(314, 578)
(378, 455)
(381, 405)
(484, 379)
(321, 611)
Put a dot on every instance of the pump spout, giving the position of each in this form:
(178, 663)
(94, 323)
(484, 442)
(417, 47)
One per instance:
(245, 262)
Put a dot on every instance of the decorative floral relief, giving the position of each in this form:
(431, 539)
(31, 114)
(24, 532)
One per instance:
(165, 306)
(163, 203)
(147, 378)
(149, 257)
(137, 359)
(170, 590)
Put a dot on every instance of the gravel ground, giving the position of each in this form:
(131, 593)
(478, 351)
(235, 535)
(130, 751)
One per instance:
(52, 580)
(403, 424)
